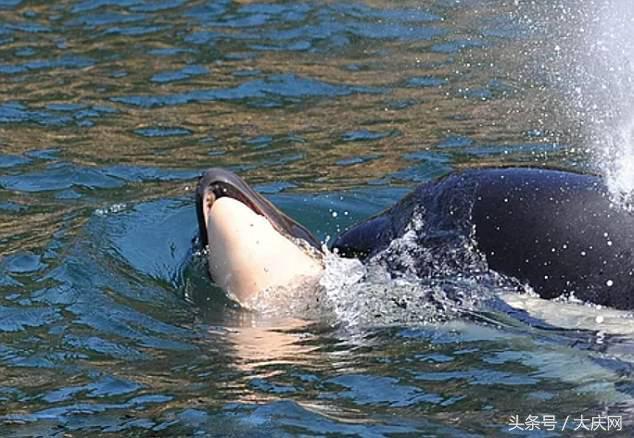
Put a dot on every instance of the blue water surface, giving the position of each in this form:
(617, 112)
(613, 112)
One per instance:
(111, 109)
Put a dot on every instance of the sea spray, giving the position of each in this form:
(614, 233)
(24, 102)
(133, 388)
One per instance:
(578, 62)
(612, 55)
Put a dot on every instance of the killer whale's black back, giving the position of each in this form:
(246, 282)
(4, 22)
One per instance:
(557, 231)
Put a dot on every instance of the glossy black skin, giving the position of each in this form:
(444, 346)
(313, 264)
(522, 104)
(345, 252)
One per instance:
(221, 182)
(557, 231)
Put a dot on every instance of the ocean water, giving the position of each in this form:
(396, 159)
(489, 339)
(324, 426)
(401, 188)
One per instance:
(110, 109)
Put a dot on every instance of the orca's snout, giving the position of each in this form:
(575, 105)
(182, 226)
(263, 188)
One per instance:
(216, 183)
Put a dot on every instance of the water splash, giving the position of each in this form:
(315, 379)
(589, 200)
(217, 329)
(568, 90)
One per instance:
(618, 166)
(584, 51)
(421, 277)
(578, 58)
(610, 65)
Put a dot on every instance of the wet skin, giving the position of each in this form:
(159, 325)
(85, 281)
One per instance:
(252, 245)
(557, 231)
(223, 183)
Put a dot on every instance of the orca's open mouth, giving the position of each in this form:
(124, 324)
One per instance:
(217, 183)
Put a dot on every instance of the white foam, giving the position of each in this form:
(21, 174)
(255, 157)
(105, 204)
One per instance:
(114, 208)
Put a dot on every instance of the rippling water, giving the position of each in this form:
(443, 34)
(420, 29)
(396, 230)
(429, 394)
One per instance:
(110, 109)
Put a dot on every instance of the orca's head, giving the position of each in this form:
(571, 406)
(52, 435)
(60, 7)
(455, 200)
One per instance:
(252, 244)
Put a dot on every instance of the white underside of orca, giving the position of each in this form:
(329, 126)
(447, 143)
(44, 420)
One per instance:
(247, 255)
(572, 314)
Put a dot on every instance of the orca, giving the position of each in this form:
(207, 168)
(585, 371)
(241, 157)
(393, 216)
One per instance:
(558, 232)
